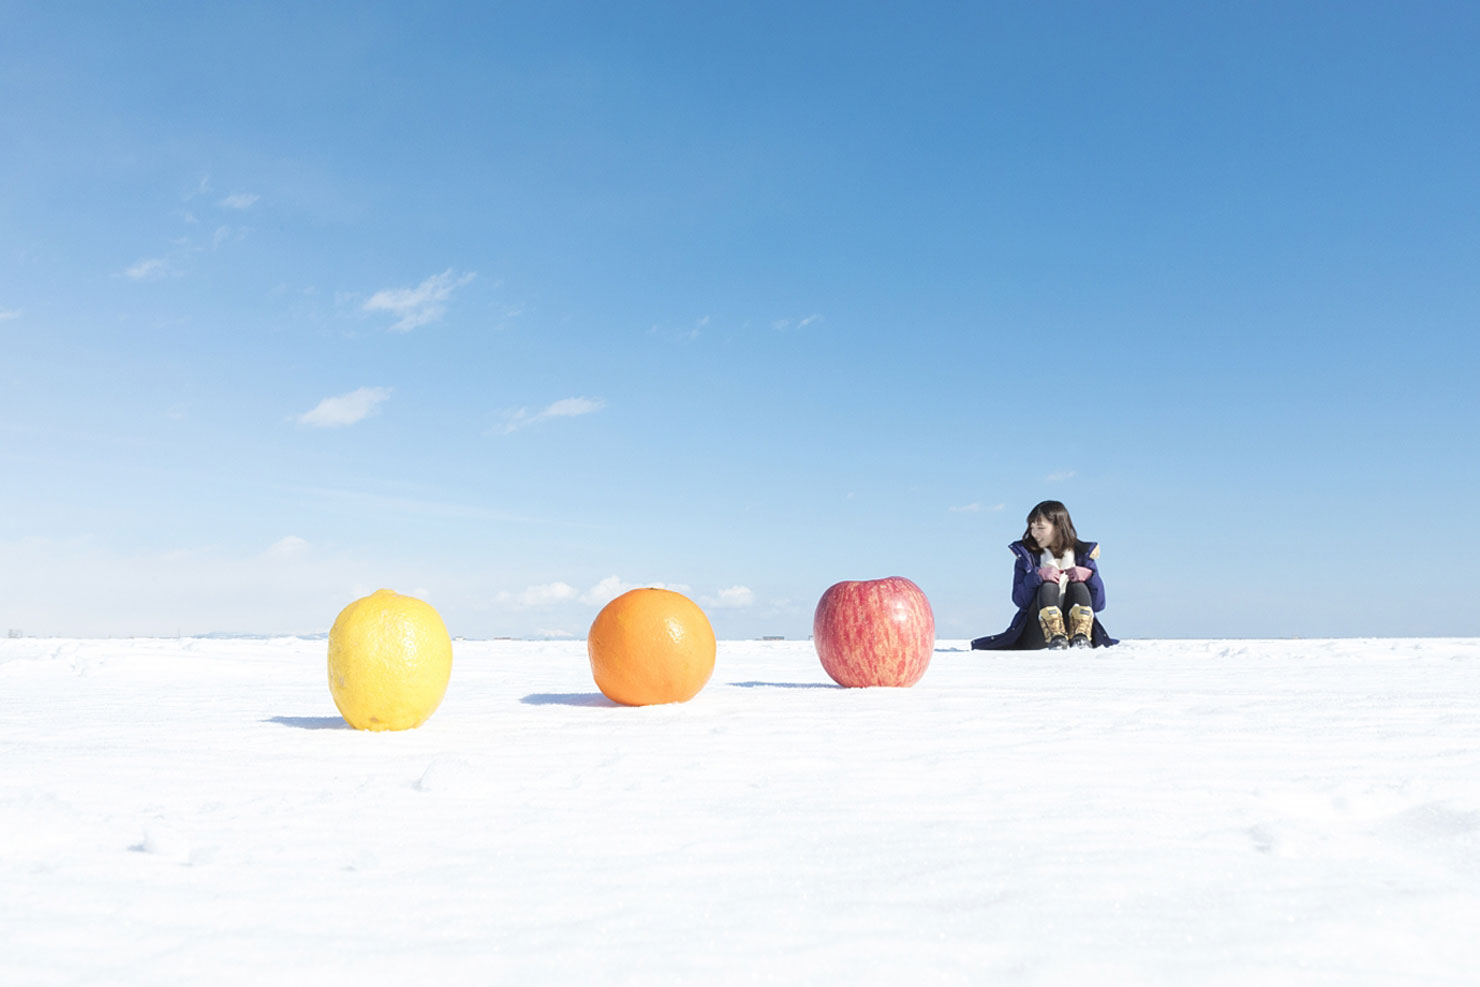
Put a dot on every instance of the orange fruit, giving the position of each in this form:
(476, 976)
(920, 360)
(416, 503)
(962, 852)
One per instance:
(651, 646)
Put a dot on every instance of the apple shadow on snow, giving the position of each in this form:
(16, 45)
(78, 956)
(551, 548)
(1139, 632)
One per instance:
(311, 722)
(567, 699)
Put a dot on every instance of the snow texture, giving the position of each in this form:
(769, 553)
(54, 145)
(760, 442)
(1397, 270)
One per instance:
(1164, 812)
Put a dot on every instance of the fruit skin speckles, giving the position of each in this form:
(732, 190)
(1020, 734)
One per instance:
(390, 659)
(651, 646)
(875, 632)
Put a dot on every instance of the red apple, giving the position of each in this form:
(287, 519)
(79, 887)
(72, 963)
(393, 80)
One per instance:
(874, 632)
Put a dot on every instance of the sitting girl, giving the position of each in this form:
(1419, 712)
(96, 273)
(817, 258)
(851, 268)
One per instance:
(1053, 570)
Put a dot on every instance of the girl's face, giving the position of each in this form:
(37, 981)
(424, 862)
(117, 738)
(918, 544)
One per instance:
(1042, 531)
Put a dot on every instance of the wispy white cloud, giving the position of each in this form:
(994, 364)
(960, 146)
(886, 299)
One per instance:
(687, 335)
(614, 586)
(705, 325)
(345, 409)
(289, 547)
(550, 596)
(781, 325)
(418, 306)
(505, 314)
(605, 591)
(239, 200)
(543, 595)
(1059, 476)
(9, 313)
(149, 269)
(564, 408)
(681, 335)
(733, 598)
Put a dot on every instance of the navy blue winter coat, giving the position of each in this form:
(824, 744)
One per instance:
(1025, 583)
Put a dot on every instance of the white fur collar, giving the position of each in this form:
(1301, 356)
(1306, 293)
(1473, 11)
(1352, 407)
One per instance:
(1063, 564)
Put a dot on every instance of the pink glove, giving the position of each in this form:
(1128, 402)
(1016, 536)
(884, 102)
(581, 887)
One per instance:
(1048, 573)
(1080, 574)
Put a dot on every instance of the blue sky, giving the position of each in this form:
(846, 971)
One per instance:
(513, 308)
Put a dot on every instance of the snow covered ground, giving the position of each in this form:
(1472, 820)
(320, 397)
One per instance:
(1165, 812)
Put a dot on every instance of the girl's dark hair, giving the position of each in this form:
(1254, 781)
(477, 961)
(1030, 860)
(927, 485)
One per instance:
(1056, 514)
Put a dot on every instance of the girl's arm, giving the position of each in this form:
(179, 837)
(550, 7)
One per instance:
(1095, 585)
(1025, 581)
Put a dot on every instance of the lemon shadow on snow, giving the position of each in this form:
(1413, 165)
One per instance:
(311, 722)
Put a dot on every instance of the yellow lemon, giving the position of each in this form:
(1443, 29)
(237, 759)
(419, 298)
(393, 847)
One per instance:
(389, 662)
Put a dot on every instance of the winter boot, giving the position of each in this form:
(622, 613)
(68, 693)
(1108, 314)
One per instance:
(1081, 626)
(1051, 619)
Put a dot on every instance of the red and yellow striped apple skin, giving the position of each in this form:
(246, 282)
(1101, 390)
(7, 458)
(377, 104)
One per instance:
(874, 632)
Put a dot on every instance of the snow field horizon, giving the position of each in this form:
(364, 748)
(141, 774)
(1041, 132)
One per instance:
(1158, 812)
(941, 644)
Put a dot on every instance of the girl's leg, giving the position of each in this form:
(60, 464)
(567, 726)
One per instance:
(1033, 638)
(1080, 617)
